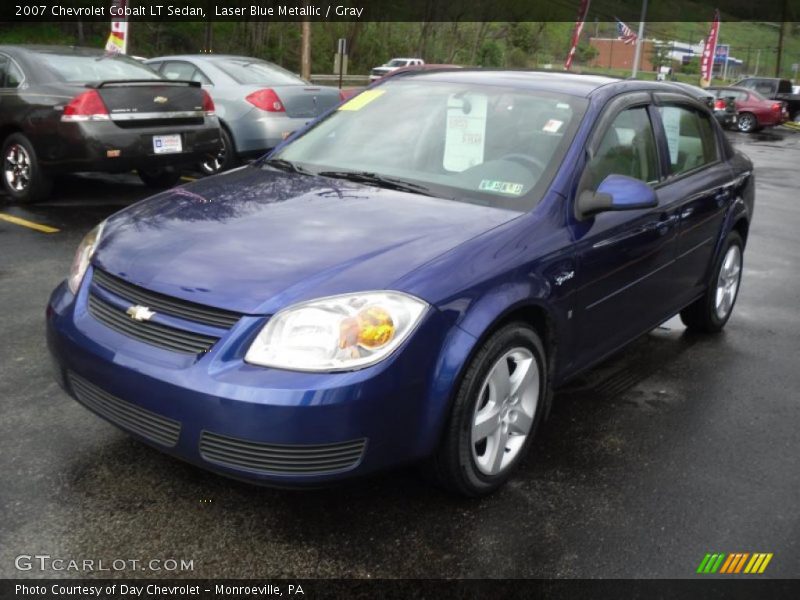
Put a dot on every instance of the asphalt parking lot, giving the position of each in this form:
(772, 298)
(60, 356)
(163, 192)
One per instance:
(679, 446)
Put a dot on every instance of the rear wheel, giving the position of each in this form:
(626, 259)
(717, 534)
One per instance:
(23, 178)
(747, 122)
(495, 413)
(710, 313)
(225, 159)
(159, 178)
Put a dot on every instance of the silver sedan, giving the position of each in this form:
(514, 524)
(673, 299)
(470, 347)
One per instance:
(258, 103)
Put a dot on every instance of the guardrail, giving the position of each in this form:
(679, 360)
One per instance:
(346, 80)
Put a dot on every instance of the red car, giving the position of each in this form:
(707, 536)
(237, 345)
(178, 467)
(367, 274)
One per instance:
(755, 111)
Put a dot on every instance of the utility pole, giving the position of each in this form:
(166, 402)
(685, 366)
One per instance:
(637, 56)
(780, 38)
(758, 59)
(305, 51)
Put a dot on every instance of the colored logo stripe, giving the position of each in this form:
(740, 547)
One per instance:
(735, 563)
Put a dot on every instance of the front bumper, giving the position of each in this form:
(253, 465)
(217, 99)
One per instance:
(263, 425)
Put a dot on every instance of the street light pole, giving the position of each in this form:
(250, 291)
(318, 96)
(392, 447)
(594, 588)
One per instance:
(637, 56)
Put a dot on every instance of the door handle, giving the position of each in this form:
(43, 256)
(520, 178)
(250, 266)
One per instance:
(687, 212)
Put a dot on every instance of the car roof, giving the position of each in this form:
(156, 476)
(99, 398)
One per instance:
(54, 49)
(738, 88)
(208, 57)
(573, 84)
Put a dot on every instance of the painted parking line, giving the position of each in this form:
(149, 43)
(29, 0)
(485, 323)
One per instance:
(28, 224)
(187, 178)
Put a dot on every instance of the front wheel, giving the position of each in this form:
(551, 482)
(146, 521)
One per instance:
(159, 179)
(495, 414)
(709, 313)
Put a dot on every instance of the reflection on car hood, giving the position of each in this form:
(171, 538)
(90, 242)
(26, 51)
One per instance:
(254, 240)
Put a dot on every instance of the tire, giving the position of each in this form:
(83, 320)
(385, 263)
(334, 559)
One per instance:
(747, 122)
(224, 160)
(467, 461)
(23, 178)
(711, 312)
(160, 179)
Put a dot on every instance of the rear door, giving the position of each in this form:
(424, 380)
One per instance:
(625, 257)
(697, 185)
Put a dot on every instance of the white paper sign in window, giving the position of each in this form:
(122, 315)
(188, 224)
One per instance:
(671, 117)
(465, 137)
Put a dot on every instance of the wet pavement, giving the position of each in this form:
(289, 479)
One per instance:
(679, 446)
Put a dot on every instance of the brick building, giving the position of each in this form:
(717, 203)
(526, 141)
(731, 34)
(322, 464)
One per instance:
(613, 53)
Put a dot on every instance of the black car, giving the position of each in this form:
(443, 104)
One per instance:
(66, 109)
(724, 109)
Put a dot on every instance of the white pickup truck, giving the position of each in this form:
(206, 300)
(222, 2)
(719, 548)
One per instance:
(395, 63)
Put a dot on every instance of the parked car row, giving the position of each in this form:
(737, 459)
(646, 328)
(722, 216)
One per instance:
(67, 109)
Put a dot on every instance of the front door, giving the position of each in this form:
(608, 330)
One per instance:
(624, 258)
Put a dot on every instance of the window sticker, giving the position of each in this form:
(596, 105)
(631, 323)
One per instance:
(360, 101)
(671, 117)
(552, 126)
(502, 187)
(466, 131)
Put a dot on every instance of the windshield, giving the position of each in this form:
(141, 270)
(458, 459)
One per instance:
(397, 62)
(246, 70)
(75, 68)
(483, 144)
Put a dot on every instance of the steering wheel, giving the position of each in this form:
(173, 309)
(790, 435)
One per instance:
(526, 161)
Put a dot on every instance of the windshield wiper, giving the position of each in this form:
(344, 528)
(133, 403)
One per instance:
(379, 181)
(286, 165)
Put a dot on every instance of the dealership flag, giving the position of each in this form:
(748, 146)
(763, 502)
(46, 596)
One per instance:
(625, 33)
(707, 60)
(576, 34)
(118, 40)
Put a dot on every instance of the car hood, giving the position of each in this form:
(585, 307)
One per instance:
(255, 239)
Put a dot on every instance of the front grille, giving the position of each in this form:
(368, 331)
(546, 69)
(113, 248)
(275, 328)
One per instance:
(168, 305)
(149, 425)
(280, 459)
(169, 338)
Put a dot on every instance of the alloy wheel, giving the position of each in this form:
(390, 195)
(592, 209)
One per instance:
(746, 123)
(504, 413)
(17, 168)
(214, 164)
(728, 281)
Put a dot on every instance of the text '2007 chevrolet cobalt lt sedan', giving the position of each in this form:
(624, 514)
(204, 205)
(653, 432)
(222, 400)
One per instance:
(407, 279)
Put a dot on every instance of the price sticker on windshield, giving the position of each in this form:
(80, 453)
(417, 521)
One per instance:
(360, 101)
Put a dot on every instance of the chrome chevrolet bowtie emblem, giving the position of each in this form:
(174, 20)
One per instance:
(140, 313)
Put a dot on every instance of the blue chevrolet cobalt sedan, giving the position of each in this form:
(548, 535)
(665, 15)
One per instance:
(407, 279)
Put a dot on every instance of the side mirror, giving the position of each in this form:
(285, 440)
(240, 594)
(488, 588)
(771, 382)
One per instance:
(616, 192)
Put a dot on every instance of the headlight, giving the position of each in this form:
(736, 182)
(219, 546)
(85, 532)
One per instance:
(82, 257)
(337, 333)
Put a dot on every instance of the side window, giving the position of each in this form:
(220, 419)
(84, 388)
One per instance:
(764, 88)
(748, 83)
(13, 75)
(3, 69)
(690, 138)
(178, 70)
(628, 148)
